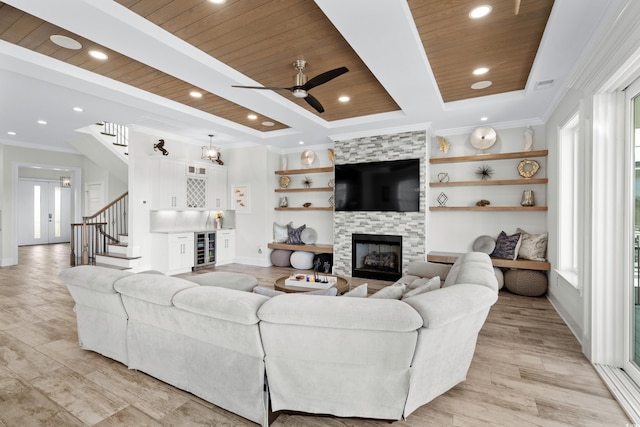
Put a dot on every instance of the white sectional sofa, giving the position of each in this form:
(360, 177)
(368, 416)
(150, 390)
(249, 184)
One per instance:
(355, 357)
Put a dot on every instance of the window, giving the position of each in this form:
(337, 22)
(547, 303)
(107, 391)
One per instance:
(568, 200)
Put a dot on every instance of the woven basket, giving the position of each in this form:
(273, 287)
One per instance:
(530, 283)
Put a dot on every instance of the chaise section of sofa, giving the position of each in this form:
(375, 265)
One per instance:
(349, 357)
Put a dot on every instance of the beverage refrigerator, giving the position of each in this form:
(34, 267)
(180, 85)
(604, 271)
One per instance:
(205, 249)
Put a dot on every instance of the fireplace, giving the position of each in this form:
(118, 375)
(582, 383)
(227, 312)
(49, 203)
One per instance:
(376, 256)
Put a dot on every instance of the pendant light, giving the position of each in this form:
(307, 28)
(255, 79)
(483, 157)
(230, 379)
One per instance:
(210, 152)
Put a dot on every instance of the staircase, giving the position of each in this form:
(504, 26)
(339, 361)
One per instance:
(102, 238)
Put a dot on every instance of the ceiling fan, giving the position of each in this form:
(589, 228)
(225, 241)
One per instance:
(301, 85)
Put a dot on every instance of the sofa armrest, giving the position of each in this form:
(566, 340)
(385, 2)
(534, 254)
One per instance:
(447, 305)
(341, 313)
(95, 278)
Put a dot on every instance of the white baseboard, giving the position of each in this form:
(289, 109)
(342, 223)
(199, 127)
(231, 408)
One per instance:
(7, 262)
(575, 329)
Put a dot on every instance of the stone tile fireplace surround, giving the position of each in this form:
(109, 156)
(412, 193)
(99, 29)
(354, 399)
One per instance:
(410, 225)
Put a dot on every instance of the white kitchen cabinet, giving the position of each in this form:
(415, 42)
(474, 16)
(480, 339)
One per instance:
(225, 246)
(173, 253)
(218, 190)
(170, 186)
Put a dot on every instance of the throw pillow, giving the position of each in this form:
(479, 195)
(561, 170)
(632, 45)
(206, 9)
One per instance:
(421, 290)
(485, 244)
(293, 234)
(266, 291)
(360, 291)
(507, 246)
(394, 291)
(533, 246)
(280, 233)
(433, 283)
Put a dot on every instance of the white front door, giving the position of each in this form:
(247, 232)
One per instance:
(44, 212)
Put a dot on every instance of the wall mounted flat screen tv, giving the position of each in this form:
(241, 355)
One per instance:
(390, 186)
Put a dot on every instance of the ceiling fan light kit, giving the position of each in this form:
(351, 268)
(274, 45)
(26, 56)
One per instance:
(301, 85)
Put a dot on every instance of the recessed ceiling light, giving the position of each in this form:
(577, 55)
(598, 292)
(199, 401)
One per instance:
(481, 85)
(11, 132)
(98, 55)
(480, 12)
(301, 142)
(268, 124)
(42, 122)
(480, 71)
(252, 117)
(195, 94)
(344, 98)
(65, 42)
(78, 109)
(484, 119)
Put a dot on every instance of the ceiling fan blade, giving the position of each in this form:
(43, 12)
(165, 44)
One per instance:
(324, 77)
(264, 87)
(311, 100)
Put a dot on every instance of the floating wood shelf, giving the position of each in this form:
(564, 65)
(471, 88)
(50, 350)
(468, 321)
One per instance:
(318, 247)
(303, 171)
(529, 181)
(489, 208)
(302, 190)
(451, 257)
(302, 208)
(483, 157)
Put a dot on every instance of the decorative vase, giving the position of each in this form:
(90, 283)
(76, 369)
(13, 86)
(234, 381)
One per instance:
(527, 198)
(528, 139)
(283, 162)
(284, 202)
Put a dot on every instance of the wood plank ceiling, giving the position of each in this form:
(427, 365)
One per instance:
(262, 38)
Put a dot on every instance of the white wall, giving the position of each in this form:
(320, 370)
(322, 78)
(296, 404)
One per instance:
(12, 157)
(566, 298)
(455, 231)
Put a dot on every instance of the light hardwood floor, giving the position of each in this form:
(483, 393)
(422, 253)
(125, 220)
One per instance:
(528, 369)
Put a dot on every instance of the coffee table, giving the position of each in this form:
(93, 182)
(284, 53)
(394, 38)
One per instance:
(342, 285)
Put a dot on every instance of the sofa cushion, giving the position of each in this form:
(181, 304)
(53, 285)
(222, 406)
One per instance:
(152, 288)
(472, 267)
(394, 291)
(221, 303)
(358, 292)
(96, 278)
(223, 279)
(342, 313)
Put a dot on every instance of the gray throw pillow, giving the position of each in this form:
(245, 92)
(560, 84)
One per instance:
(507, 246)
(293, 237)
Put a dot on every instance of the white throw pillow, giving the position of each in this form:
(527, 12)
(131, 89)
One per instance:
(280, 233)
(360, 291)
(394, 291)
(532, 246)
(425, 286)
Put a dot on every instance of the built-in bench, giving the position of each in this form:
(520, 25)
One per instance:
(451, 257)
(320, 248)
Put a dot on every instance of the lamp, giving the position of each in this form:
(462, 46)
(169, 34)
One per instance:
(210, 153)
(65, 181)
